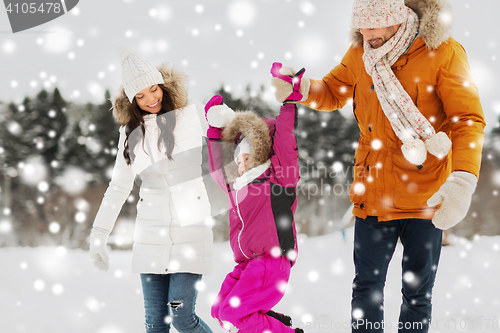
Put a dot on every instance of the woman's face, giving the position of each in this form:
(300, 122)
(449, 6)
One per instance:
(150, 99)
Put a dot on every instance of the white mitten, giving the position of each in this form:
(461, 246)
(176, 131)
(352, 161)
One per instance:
(98, 254)
(455, 197)
(220, 115)
(285, 89)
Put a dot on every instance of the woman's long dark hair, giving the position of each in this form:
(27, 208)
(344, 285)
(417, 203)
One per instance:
(166, 127)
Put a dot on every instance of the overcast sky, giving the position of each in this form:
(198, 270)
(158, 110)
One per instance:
(231, 43)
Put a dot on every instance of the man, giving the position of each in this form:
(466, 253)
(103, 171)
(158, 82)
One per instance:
(419, 152)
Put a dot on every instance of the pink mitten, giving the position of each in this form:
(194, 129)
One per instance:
(213, 132)
(290, 86)
(215, 100)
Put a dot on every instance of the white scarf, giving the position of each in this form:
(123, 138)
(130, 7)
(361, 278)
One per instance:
(250, 175)
(409, 125)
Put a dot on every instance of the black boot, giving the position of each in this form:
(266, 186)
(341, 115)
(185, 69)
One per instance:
(286, 320)
(299, 330)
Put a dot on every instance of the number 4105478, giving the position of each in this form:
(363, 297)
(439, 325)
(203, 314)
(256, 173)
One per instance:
(32, 7)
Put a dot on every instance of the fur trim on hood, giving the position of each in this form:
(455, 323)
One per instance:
(436, 20)
(174, 82)
(249, 125)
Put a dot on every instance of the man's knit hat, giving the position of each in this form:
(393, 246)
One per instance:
(372, 14)
(138, 74)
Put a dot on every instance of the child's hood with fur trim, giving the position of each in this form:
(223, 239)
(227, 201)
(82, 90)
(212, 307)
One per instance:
(174, 82)
(258, 133)
(435, 22)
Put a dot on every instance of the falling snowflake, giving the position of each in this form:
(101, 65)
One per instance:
(200, 286)
(80, 217)
(307, 8)
(357, 314)
(39, 285)
(199, 9)
(242, 13)
(282, 286)
(234, 302)
(8, 47)
(33, 171)
(359, 189)
(376, 144)
(57, 289)
(54, 227)
(73, 180)
(118, 274)
(93, 304)
(5, 227)
(313, 276)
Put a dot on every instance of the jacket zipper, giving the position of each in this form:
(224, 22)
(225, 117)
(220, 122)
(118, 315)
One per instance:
(243, 225)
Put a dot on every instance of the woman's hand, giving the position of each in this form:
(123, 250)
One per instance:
(98, 253)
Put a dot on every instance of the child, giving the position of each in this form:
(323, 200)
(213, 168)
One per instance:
(262, 192)
(172, 245)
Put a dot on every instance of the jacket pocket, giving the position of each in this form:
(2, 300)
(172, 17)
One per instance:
(427, 101)
(191, 202)
(152, 207)
(354, 104)
(414, 185)
(357, 193)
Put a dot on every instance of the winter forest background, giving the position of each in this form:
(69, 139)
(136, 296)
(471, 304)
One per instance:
(58, 138)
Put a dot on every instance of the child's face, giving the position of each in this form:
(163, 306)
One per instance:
(150, 99)
(242, 161)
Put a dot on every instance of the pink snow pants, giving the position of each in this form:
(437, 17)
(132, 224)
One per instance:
(251, 290)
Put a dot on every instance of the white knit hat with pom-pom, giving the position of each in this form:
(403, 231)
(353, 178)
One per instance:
(137, 73)
(242, 148)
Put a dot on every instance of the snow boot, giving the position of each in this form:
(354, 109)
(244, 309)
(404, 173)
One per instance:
(286, 320)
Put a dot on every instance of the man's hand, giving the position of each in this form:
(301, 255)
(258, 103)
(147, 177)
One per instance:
(455, 197)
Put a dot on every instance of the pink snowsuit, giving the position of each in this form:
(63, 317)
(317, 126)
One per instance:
(262, 231)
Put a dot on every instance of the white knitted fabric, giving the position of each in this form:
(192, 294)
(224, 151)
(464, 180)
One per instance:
(410, 126)
(138, 74)
(242, 148)
(372, 14)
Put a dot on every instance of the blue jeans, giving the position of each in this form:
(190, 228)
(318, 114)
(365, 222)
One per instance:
(374, 244)
(171, 298)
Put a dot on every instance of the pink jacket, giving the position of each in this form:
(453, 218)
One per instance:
(261, 212)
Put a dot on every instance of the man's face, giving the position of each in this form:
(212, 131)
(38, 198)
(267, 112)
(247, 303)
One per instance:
(377, 37)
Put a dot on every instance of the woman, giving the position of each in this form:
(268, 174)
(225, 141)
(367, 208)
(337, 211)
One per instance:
(160, 146)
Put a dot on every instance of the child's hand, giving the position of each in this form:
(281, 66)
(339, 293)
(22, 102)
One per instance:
(289, 85)
(215, 100)
(218, 114)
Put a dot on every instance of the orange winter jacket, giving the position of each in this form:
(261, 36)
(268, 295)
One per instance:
(439, 82)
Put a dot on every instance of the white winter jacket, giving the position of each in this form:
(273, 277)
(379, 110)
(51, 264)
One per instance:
(170, 231)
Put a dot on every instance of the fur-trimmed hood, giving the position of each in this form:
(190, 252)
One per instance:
(174, 82)
(257, 131)
(435, 22)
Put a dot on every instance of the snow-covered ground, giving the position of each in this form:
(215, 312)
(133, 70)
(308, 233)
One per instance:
(55, 290)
